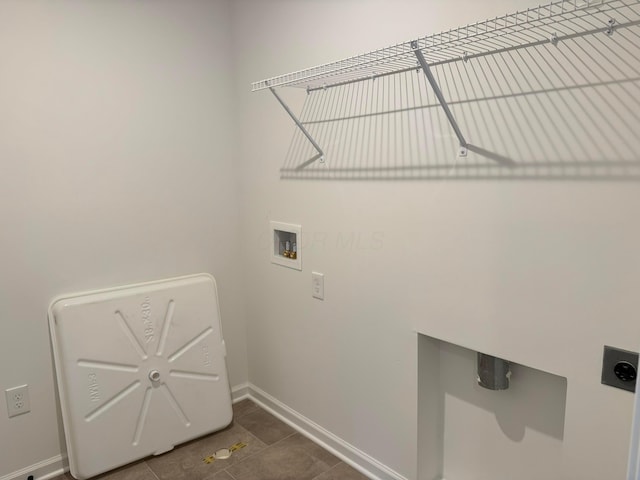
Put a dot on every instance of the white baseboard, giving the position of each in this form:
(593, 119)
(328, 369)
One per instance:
(359, 460)
(367, 465)
(240, 392)
(44, 470)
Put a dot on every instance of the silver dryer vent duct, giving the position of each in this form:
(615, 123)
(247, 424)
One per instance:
(493, 372)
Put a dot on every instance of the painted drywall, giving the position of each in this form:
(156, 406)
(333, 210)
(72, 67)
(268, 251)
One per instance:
(119, 165)
(116, 148)
(538, 271)
(467, 431)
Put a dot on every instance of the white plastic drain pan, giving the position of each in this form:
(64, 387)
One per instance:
(140, 369)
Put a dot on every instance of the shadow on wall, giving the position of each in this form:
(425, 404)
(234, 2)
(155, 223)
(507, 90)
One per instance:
(568, 111)
(466, 431)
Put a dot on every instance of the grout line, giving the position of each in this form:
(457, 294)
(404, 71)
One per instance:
(229, 473)
(328, 470)
(284, 438)
(150, 469)
(253, 410)
(266, 446)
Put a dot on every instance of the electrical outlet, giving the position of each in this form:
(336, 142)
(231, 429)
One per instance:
(317, 285)
(619, 368)
(17, 400)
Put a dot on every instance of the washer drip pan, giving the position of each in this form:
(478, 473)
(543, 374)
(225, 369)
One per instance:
(140, 369)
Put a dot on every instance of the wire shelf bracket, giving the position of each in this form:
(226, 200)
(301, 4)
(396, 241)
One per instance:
(551, 24)
(320, 156)
(462, 152)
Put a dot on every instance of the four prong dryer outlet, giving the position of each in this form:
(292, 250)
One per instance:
(17, 400)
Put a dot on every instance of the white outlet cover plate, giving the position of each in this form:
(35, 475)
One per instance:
(317, 285)
(140, 369)
(17, 400)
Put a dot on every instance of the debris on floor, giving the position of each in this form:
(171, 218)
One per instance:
(224, 453)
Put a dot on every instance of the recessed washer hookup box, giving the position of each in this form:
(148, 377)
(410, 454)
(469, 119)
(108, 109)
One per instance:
(140, 369)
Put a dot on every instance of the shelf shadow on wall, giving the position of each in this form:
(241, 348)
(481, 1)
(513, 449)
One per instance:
(550, 112)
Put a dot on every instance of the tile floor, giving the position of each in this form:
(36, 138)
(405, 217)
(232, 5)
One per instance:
(274, 451)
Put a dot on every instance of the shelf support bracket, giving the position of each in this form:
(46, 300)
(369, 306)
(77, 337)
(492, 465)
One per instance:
(443, 103)
(320, 155)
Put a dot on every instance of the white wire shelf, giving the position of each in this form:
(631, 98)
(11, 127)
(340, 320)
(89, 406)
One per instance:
(553, 22)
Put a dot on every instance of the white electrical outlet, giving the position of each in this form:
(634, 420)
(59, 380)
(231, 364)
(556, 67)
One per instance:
(317, 285)
(18, 400)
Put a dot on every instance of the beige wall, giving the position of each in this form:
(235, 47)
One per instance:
(539, 271)
(132, 150)
(116, 148)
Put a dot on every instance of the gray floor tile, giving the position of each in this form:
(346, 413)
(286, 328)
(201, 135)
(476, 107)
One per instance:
(137, 471)
(299, 441)
(244, 407)
(187, 462)
(265, 426)
(274, 451)
(342, 471)
(222, 476)
(294, 458)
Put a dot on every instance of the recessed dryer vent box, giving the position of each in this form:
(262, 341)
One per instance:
(140, 369)
(281, 233)
(466, 431)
